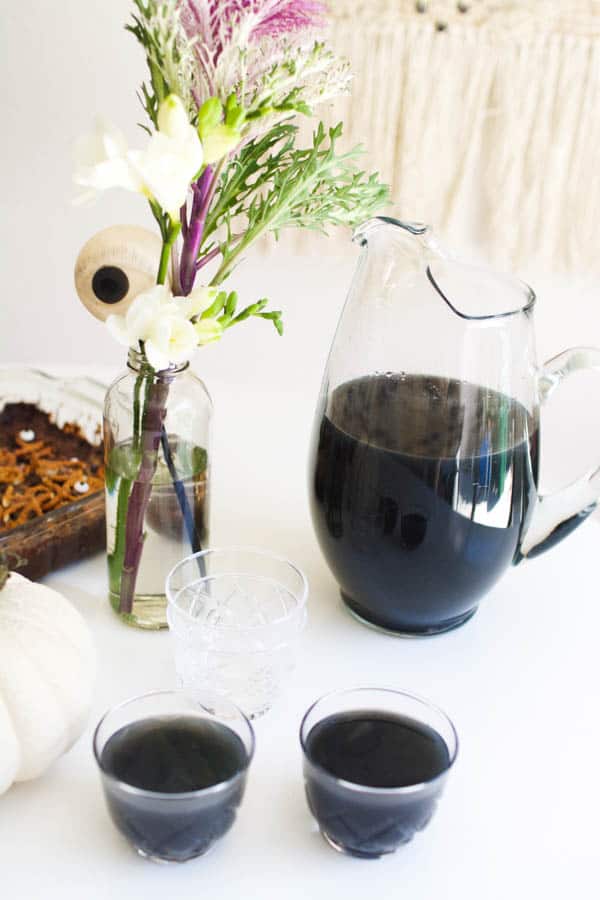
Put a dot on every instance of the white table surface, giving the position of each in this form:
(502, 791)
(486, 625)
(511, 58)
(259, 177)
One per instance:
(519, 818)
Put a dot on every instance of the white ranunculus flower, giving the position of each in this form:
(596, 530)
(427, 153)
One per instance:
(163, 170)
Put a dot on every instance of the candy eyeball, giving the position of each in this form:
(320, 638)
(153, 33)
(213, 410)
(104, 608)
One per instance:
(110, 284)
(114, 266)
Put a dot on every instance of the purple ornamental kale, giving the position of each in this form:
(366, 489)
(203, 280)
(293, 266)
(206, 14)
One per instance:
(210, 20)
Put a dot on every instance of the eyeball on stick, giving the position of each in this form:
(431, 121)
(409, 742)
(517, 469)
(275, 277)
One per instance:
(114, 266)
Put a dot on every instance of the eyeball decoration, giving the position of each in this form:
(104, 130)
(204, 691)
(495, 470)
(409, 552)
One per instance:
(114, 267)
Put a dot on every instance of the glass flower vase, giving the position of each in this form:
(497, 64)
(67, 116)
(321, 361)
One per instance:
(156, 444)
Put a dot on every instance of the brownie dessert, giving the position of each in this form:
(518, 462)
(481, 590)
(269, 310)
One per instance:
(44, 472)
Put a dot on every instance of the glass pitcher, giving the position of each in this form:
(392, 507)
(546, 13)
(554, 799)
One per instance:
(424, 460)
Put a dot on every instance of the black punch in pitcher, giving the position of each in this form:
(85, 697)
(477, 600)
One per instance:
(424, 464)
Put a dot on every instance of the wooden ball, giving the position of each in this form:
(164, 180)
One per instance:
(115, 266)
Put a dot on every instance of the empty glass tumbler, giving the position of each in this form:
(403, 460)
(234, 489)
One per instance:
(236, 616)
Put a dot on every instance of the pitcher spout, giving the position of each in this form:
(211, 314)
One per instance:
(472, 292)
(362, 233)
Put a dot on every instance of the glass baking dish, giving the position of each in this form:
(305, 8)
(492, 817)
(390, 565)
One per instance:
(76, 530)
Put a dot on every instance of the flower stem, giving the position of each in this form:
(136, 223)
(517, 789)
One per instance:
(186, 510)
(165, 254)
(204, 191)
(146, 440)
(195, 230)
(115, 559)
(136, 411)
(155, 410)
(208, 257)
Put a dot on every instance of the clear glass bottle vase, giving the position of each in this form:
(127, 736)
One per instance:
(157, 454)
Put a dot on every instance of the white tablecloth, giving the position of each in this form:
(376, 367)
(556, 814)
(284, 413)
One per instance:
(519, 818)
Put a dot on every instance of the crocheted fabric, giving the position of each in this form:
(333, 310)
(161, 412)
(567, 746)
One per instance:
(559, 16)
(484, 116)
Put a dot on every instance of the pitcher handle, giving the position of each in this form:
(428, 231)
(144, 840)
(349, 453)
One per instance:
(558, 514)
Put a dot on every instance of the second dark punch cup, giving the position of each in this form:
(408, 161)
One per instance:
(375, 764)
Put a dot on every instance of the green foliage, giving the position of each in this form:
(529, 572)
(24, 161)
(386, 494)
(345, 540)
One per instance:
(251, 171)
(263, 182)
(199, 460)
(151, 95)
(124, 462)
(209, 115)
(169, 57)
(235, 115)
(272, 185)
(219, 137)
(191, 460)
(224, 309)
(292, 85)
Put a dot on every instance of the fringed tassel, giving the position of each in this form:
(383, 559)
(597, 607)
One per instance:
(488, 133)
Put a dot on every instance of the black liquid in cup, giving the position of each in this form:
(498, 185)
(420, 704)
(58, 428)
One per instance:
(422, 488)
(173, 783)
(373, 777)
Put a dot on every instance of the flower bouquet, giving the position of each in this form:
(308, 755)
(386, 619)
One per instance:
(220, 168)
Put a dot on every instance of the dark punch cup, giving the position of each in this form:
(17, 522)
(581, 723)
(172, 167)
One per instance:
(375, 763)
(173, 772)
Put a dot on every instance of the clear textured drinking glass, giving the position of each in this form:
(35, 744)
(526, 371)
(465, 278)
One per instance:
(167, 740)
(393, 778)
(236, 616)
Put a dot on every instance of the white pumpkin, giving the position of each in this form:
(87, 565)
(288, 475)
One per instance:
(47, 665)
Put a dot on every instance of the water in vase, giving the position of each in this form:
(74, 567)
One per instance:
(169, 535)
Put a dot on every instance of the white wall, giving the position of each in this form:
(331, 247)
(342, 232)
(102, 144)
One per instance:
(63, 62)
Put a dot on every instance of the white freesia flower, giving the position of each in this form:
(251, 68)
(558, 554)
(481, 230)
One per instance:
(173, 119)
(158, 320)
(172, 158)
(101, 161)
(207, 331)
(197, 301)
(136, 324)
(219, 141)
(163, 170)
(173, 339)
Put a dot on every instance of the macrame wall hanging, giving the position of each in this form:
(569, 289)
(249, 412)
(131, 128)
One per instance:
(484, 116)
